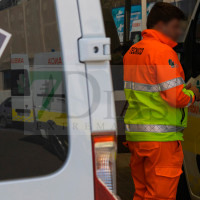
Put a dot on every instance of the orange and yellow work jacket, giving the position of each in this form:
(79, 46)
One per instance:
(154, 84)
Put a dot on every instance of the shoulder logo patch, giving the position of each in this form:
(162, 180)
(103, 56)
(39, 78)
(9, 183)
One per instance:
(172, 64)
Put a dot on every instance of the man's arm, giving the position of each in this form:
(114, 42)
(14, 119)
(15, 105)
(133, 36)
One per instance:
(170, 78)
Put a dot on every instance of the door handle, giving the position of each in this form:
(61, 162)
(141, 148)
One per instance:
(94, 49)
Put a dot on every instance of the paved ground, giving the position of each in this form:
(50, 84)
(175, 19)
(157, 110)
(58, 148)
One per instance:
(125, 186)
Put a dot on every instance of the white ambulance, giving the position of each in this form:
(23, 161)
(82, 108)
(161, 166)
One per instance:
(38, 98)
(83, 103)
(66, 94)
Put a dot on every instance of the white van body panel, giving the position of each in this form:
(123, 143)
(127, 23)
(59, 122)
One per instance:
(75, 180)
(100, 86)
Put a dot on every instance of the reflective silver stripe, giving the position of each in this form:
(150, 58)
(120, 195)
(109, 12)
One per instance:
(191, 100)
(146, 87)
(154, 88)
(141, 87)
(152, 128)
(171, 83)
(128, 84)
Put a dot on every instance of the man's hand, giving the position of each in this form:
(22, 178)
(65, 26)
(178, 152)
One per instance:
(188, 86)
(196, 92)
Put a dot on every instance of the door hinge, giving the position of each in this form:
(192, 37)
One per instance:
(94, 49)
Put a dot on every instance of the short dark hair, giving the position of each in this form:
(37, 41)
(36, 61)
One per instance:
(164, 12)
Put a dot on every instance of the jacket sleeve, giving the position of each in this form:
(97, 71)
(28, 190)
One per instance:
(170, 77)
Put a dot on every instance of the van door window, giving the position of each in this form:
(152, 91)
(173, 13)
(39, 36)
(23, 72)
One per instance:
(20, 83)
(33, 115)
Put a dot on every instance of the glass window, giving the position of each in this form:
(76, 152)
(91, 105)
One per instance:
(20, 83)
(33, 116)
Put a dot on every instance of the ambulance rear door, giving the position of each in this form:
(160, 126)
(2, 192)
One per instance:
(22, 104)
(29, 168)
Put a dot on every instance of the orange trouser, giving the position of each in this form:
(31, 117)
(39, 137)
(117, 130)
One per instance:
(156, 168)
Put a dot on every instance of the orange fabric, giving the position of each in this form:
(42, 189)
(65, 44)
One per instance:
(175, 97)
(147, 62)
(156, 168)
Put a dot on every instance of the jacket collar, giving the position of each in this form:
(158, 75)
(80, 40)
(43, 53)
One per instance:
(153, 34)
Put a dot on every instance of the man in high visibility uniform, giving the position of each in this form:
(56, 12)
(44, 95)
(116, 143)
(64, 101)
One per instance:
(158, 99)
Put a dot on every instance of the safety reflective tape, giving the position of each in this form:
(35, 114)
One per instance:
(154, 87)
(171, 83)
(141, 87)
(152, 128)
(191, 100)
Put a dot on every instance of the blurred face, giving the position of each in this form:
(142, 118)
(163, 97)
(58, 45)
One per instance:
(172, 29)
